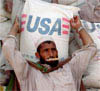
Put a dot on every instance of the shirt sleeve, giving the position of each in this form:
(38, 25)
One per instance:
(80, 60)
(15, 59)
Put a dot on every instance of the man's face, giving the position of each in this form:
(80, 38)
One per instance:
(48, 51)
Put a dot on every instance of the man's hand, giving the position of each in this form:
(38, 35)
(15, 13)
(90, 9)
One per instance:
(15, 28)
(75, 23)
(16, 25)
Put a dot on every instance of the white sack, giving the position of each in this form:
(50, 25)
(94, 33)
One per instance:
(2, 11)
(77, 3)
(42, 19)
(93, 89)
(5, 28)
(92, 75)
(5, 24)
(66, 2)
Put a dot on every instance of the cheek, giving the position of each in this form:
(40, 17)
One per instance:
(44, 55)
(56, 54)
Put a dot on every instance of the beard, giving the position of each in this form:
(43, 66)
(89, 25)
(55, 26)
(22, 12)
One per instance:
(50, 63)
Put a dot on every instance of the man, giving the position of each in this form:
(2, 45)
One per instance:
(60, 76)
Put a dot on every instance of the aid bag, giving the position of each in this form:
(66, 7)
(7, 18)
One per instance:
(40, 19)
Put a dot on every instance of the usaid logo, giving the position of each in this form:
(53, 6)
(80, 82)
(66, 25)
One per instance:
(43, 25)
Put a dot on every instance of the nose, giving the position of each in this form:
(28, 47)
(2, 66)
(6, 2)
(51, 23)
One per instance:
(51, 53)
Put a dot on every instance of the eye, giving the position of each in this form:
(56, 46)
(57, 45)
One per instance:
(46, 50)
(53, 49)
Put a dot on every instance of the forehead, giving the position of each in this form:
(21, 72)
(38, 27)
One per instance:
(48, 45)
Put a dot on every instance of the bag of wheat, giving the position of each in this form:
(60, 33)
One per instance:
(40, 19)
(5, 23)
(91, 78)
(78, 3)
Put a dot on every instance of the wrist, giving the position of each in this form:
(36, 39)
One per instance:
(13, 33)
(14, 30)
(12, 36)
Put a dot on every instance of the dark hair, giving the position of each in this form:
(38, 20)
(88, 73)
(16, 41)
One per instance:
(38, 49)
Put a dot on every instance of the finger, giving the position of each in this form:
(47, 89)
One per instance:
(72, 20)
(75, 18)
(19, 30)
(17, 20)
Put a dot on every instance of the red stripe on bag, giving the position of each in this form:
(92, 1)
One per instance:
(22, 29)
(65, 19)
(65, 26)
(65, 32)
(24, 15)
(23, 22)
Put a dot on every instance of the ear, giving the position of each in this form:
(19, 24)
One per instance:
(37, 55)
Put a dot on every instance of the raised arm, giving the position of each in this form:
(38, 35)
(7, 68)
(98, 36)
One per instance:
(76, 24)
(15, 28)
(83, 56)
(12, 55)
